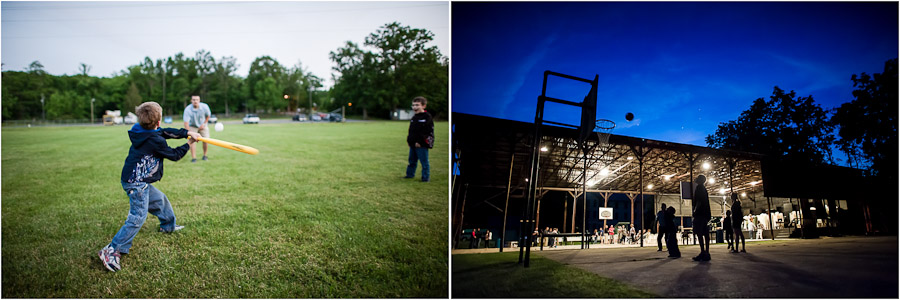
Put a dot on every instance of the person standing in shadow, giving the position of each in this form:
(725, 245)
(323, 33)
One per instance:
(661, 228)
(671, 241)
(702, 215)
(738, 219)
(726, 227)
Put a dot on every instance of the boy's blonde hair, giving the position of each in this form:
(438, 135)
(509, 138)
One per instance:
(149, 114)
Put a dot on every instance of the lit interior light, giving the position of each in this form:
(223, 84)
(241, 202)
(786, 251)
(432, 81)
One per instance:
(743, 194)
(722, 191)
(526, 179)
(706, 166)
(754, 182)
(649, 186)
(544, 149)
(630, 157)
(712, 180)
(604, 172)
(592, 182)
(667, 177)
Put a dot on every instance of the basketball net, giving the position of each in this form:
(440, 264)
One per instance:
(603, 128)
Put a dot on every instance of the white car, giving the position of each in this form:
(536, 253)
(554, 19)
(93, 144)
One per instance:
(131, 118)
(251, 118)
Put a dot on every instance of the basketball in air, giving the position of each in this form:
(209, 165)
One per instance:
(629, 116)
(220, 127)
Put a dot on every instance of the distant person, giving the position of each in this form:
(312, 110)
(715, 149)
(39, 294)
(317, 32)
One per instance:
(420, 138)
(546, 240)
(610, 235)
(701, 217)
(736, 224)
(196, 118)
(487, 239)
(474, 240)
(144, 166)
(670, 229)
(595, 237)
(660, 227)
(726, 227)
(759, 230)
(633, 233)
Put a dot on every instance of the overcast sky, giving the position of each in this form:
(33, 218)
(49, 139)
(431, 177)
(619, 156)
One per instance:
(110, 36)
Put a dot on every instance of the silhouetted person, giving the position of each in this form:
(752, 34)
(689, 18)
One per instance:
(661, 227)
(701, 215)
(726, 227)
(670, 229)
(736, 223)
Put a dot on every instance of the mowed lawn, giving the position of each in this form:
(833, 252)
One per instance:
(499, 275)
(322, 211)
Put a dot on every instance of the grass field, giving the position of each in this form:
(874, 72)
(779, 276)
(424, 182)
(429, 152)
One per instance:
(322, 211)
(498, 275)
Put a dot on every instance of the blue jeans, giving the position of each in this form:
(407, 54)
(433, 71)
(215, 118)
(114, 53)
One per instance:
(418, 154)
(143, 198)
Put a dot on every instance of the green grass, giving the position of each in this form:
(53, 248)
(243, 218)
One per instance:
(322, 211)
(498, 275)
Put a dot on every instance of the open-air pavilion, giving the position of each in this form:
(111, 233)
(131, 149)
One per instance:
(492, 159)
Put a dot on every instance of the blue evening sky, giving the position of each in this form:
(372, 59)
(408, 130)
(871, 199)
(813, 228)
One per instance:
(681, 68)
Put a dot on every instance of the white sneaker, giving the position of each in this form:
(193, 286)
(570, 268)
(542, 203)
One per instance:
(110, 258)
(177, 228)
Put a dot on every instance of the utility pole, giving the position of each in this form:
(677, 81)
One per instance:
(310, 101)
(43, 115)
(92, 110)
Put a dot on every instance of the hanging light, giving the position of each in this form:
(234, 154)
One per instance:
(667, 177)
(711, 180)
(706, 165)
(630, 157)
(650, 186)
(744, 194)
(544, 149)
(604, 172)
(722, 191)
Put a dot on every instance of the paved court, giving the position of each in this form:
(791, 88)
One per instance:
(857, 267)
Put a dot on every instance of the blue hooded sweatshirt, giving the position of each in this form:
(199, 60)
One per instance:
(148, 148)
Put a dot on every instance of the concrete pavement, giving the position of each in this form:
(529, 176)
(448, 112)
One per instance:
(857, 267)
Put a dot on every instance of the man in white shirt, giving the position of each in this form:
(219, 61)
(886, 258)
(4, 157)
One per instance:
(196, 118)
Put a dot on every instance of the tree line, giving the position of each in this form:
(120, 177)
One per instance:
(377, 83)
(796, 128)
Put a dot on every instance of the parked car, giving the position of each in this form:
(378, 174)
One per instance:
(131, 118)
(251, 118)
(335, 117)
(213, 119)
(299, 117)
(316, 117)
(167, 120)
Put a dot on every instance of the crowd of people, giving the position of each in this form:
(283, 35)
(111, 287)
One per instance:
(667, 231)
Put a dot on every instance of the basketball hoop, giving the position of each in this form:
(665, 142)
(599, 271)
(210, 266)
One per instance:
(603, 128)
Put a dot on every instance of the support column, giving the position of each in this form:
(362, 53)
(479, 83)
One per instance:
(506, 206)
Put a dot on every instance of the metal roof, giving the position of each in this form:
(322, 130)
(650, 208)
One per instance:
(485, 147)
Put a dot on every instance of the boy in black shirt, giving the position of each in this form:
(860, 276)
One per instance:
(420, 139)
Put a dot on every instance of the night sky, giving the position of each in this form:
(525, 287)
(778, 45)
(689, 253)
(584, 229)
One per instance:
(681, 68)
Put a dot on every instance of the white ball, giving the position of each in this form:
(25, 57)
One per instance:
(220, 127)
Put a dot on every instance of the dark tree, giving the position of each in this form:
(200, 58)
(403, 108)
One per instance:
(785, 126)
(868, 124)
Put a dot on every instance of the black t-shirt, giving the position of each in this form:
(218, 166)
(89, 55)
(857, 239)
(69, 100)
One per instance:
(421, 130)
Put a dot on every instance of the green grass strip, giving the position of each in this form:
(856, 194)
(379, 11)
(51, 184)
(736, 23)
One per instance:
(498, 275)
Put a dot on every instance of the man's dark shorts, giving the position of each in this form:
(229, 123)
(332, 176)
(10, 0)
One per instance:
(701, 226)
